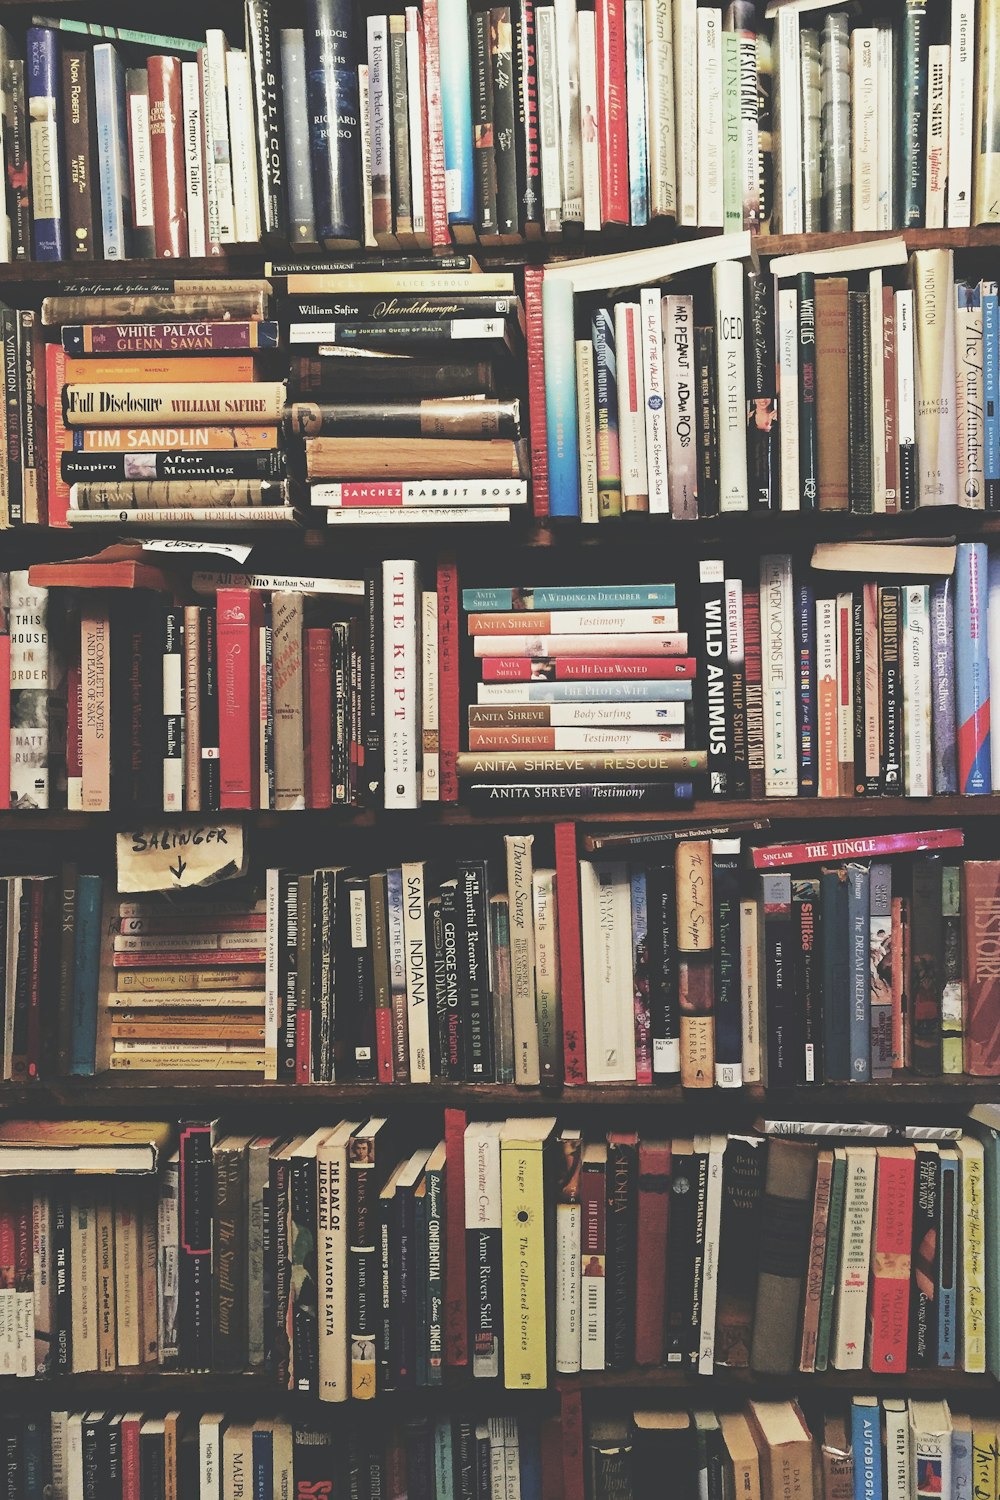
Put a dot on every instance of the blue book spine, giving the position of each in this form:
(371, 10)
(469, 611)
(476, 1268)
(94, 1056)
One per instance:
(635, 89)
(262, 1462)
(334, 125)
(961, 1463)
(833, 948)
(301, 217)
(44, 94)
(112, 152)
(913, 131)
(609, 465)
(991, 387)
(444, 1461)
(859, 975)
(656, 596)
(562, 437)
(530, 1461)
(972, 669)
(37, 1455)
(805, 658)
(728, 1004)
(456, 110)
(943, 686)
(601, 692)
(86, 962)
(948, 1256)
(866, 1445)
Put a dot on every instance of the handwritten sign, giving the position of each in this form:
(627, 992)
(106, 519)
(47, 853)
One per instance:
(177, 856)
(236, 550)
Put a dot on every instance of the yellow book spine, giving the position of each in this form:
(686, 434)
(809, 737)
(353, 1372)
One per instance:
(188, 1062)
(523, 1230)
(984, 1458)
(973, 1259)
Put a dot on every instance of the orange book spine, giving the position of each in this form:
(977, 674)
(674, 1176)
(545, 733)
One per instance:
(158, 439)
(57, 437)
(889, 1300)
(156, 369)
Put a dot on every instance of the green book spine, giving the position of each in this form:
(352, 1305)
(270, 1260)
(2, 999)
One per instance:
(913, 127)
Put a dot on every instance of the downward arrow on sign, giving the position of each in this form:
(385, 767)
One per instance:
(178, 869)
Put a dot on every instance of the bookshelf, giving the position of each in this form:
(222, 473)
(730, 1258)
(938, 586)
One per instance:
(39, 841)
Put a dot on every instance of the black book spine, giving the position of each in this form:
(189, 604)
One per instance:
(146, 703)
(859, 413)
(79, 118)
(315, 1462)
(152, 1465)
(736, 685)
(465, 1462)
(229, 1290)
(892, 690)
(783, 1052)
(739, 1232)
(502, 64)
(281, 1275)
(808, 424)
(387, 1325)
(267, 707)
(288, 988)
(926, 966)
(324, 975)
(805, 660)
(12, 407)
(62, 1330)
(664, 1013)
(362, 1270)
(17, 161)
(22, 986)
(362, 1059)
(209, 720)
(858, 676)
(263, 40)
(712, 671)
(483, 1463)
(94, 1457)
(708, 422)
(483, 154)
(332, 92)
(67, 957)
(419, 1459)
(114, 468)
(526, 130)
(172, 752)
(474, 973)
(680, 1253)
(452, 1029)
(194, 1305)
(305, 1330)
(340, 738)
(728, 1011)
(806, 917)
(404, 1300)
(267, 1287)
(696, 1267)
(113, 1458)
(402, 203)
(923, 1342)
(436, 988)
(622, 1180)
(30, 361)
(762, 395)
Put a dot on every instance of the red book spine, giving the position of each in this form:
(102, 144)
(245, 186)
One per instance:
(303, 1037)
(4, 721)
(456, 1306)
(900, 922)
(981, 919)
(449, 703)
(651, 1250)
(33, 1043)
(611, 113)
(57, 437)
(889, 1304)
(571, 1414)
(22, 1240)
(130, 1459)
(586, 668)
(170, 232)
(440, 233)
(891, 422)
(755, 690)
(8, 1244)
(385, 1066)
(781, 856)
(536, 390)
(551, 1459)
(238, 650)
(185, 958)
(318, 721)
(570, 954)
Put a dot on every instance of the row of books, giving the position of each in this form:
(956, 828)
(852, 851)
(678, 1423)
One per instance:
(137, 1455)
(820, 382)
(874, 688)
(352, 1261)
(880, 1446)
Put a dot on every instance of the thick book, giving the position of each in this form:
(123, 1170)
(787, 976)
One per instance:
(783, 1257)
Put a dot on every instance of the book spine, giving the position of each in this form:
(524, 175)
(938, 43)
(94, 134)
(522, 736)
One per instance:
(484, 159)
(888, 1314)
(938, 116)
(913, 130)
(677, 317)
(483, 1250)
(881, 958)
(562, 469)
(194, 1329)
(727, 285)
(728, 1020)
(948, 1266)
(417, 976)
(972, 691)
(651, 324)
(456, 112)
(45, 117)
(612, 117)
(332, 85)
(113, 152)
(166, 131)
(80, 152)
(762, 396)
(301, 210)
(962, 101)
(891, 666)
(982, 1001)
(400, 657)
(973, 1269)
(456, 1346)
(859, 971)
(265, 53)
(525, 1343)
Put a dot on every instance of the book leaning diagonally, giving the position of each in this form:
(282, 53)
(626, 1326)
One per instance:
(598, 273)
(863, 255)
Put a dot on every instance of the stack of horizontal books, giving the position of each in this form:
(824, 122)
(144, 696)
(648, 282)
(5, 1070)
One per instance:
(403, 391)
(158, 410)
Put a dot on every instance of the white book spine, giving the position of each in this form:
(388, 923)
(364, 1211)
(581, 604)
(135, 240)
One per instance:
(590, 149)
(679, 380)
(212, 208)
(548, 119)
(140, 151)
(400, 646)
(936, 175)
(788, 112)
(935, 384)
(365, 121)
(845, 680)
(993, 627)
(243, 148)
(607, 972)
(877, 406)
(710, 1263)
(416, 119)
(749, 141)
(568, 84)
(969, 407)
(961, 104)
(378, 121)
(331, 1268)
(710, 134)
(750, 990)
(83, 1259)
(568, 1268)
(864, 128)
(659, 34)
(917, 690)
(74, 1458)
(851, 1304)
(779, 688)
(587, 431)
(885, 161)
(906, 407)
(728, 284)
(522, 957)
(216, 47)
(651, 320)
(631, 407)
(973, 1279)
(430, 722)
(417, 978)
(209, 1457)
(897, 1451)
(788, 399)
(686, 105)
(194, 171)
